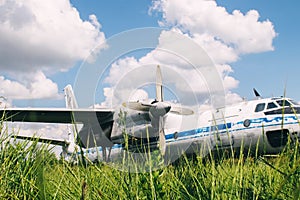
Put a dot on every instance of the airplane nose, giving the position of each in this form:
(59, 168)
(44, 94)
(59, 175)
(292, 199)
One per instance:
(160, 109)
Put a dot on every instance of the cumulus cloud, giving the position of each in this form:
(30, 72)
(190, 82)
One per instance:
(244, 32)
(179, 75)
(47, 131)
(4, 102)
(34, 85)
(47, 34)
(224, 37)
(44, 130)
(43, 36)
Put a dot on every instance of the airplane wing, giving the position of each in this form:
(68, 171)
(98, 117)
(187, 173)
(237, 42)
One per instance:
(55, 115)
(97, 123)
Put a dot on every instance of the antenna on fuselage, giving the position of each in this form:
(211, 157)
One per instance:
(258, 96)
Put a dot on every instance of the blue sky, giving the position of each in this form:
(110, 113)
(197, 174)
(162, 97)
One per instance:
(270, 71)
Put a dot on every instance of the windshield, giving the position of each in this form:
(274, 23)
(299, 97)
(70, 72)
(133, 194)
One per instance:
(283, 102)
(294, 102)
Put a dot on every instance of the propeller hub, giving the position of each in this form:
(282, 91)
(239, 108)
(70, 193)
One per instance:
(159, 109)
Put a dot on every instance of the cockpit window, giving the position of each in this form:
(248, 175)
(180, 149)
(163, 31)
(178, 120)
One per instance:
(283, 102)
(271, 105)
(294, 102)
(260, 107)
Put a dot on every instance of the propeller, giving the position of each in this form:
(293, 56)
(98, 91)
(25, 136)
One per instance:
(158, 102)
(158, 109)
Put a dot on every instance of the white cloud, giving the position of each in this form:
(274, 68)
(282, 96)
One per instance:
(4, 102)
(37, 130)
(216, 49)
(43, 36)
(179, 76)
(244, 32)
(51, 34)
(224, 37)
(44, 130)
(232, 98)
(34, 85)
(138, 94)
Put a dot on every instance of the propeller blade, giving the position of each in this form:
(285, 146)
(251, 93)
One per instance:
(162, 137)
(140, 106)
(159, 90)
(181, 111)
(137, 106)
(160, 107)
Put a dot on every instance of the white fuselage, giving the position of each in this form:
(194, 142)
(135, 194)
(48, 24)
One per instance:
(262, 126)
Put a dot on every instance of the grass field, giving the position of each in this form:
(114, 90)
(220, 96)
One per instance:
(29, 171)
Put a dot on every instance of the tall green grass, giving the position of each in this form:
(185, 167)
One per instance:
(29, 171)
(22, 168)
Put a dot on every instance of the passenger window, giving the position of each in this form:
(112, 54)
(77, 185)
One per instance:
(260, 107)
(283, 103)
(271, 105)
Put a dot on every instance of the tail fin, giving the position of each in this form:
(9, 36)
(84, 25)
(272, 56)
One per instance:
(70, 97)
(71, 103)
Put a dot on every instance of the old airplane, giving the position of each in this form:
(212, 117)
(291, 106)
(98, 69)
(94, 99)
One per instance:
(262, 125)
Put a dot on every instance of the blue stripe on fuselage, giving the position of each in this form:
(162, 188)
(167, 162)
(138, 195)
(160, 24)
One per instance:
(220, 128)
